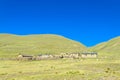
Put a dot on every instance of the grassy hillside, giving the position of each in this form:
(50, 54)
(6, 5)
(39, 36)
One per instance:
(111, 47)
(11, 45)
(59, 69)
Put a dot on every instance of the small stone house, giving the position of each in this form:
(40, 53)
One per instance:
(89, 55)
(24, 57)
(42, 57)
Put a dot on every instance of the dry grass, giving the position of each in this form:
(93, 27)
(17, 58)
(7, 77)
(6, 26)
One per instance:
(66, 69)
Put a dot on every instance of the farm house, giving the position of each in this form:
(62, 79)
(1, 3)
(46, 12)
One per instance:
(89, 55)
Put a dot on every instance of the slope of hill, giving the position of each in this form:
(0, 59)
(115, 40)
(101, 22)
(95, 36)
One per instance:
(11, 45)
(111, 47)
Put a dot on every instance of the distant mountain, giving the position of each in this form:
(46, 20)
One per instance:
(111, 47)
(11, 45)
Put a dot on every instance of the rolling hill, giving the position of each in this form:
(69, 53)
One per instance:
(109, 48)
(12, 45)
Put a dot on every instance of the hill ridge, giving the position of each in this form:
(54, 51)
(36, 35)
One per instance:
(35, 44)
(110, 47)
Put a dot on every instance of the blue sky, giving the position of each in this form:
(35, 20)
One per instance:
(86, 21)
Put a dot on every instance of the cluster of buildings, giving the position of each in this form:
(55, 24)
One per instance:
(62, 55)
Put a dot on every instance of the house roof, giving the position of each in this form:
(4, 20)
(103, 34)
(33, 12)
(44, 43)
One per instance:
(89, 53)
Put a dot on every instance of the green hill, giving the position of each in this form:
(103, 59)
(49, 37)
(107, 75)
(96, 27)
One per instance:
(110, 48)
(11, 45)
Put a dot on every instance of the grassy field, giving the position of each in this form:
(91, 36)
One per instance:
(61, 69)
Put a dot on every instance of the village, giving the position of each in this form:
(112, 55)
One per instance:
(61, 56)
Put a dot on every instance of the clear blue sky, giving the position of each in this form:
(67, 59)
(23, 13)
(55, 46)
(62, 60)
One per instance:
(87, 21)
